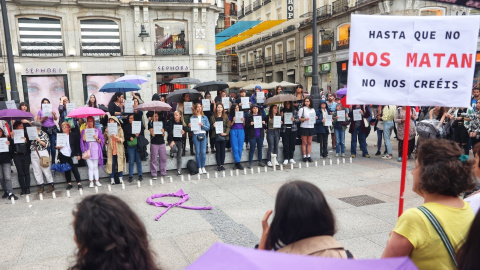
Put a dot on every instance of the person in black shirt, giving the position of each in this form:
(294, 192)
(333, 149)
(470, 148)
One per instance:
(157, 146)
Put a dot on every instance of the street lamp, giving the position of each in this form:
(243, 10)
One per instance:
(315, 92)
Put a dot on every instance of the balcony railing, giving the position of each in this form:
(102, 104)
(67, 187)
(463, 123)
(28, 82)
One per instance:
(277, 33)
(250, 64)
(41, 49)
(243, 67)
(234, 68)
(362, 2)
(306, 15)
(326, 47)
(172, 48)
(258, 62)
(339, 6)
(307, 52)
(323, 12)
(343, 44)
(240, 14)
(219, 29)
(101, 49)
(233, 12)
(248, 9)
(268, 61)
(291, 56)
(279, 58)
(256, 4)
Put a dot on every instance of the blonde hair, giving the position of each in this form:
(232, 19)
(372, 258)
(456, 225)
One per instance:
(181, 117)
(66, 123)
(195, 106)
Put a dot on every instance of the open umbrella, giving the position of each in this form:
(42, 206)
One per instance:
(156, 106)
(280, 99)
(14, 114)
(135, 79)
(121, 87)
(262, 85)
(341, 92)
(176, 95)
(287, 84)
(84, 112)
(211, 86)
(223, 256)
(185, 80)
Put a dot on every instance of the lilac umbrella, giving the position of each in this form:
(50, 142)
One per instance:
(156, 106)
(223, 256)
(132, 79)
(14, 114)
(341, 92)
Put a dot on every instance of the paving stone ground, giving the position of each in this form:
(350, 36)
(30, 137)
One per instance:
(363, 194)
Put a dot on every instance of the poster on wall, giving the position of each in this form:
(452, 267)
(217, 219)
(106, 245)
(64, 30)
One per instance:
(93, 83)
(36, 88)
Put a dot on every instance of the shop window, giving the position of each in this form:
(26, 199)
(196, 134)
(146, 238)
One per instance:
(432, 12)
(100, 37)
(40, 36)
(171, 38)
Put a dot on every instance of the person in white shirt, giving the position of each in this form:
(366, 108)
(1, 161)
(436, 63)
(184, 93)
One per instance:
(307, 118)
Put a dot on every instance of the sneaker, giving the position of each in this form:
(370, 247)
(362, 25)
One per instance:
(5, 195)
(12, 196)
(285, 162)
(140, 178)
(154, 178)
(352, 156)
(276, 163)
(222, 168)
(91, 184)
(399, 159)
(269, 164)
(79, 186)
(200, 171)
(112, 182)
(387, 157)
(336, 154)
(292, 161)
(249, 165)
(239, 166)
(204, 171)
(51, 188)
(309, 159)
(130, 179)
(98, 183)
(219, 169)
(367, 156)
(22, 193)
(305, 159)
(261, 164)
(343, 155)
(179, 172)
(235, 166)
(40, 190)
(328, 157)
(378, 153)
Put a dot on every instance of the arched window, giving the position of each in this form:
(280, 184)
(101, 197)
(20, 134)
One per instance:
(40, 36)
(100, 37)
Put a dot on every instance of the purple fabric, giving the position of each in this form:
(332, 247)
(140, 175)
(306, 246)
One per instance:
(258, 132)
(84, 146)
(14, 114)
(179, 194)
(236, 125)
(49, 122)
(223, 256)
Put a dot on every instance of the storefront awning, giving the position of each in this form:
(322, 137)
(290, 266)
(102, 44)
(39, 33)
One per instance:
(259, 28)
(234, 30)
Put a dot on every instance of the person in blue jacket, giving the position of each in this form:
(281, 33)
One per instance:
(253, 100)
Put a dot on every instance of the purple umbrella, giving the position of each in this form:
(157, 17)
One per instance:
(341, 92)
(223, 256)
(14, 114)
(132, 79)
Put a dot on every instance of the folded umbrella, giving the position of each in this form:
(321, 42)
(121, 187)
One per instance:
(176, 95)
(84, 112)
(136, 79)
(281, 98)
(156, 106)
(14, 114)
(121, 87)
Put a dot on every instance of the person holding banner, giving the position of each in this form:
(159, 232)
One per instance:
(6, 166)
(308, 119)
(133, 130)
(237, 133)
(321, 128)
(39, 148)
(68, 152)
(400, 121)
(289, 131)
(115, 149)
(274, 125)
(221, 130)
(255, 129)
(63, 111)
(21, 158)
(199, 125)
(49, 126)
(440, 175)
(157, 145)
(176, 130)
(359, 126)
(186, 112)
(91, 147)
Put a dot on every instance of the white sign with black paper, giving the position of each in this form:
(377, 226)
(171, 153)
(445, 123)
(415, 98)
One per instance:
(206, 105)
(226, 102)
(311, 118)
(195, 123)
(238, 117)
(70, 107)
(136, 127)
(10, 104)
(46, 110)
(260, 97)
(219, 127)
(89, 133)
(277, 122)
(3, 145)
(62, 139)
(157, 128)
(187, 107)
(245, 103)
(341, 115)
(18, 134)
(32, 133)
(328, 120)
(128, 106)
(112, 129)
(257, 122)
(287, 118)
(177, 131)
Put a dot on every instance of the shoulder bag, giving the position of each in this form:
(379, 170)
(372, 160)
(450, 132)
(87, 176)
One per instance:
(441, 232)
(86, 154)
(44, 161)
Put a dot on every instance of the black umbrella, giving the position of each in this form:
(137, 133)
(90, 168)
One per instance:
(185, 80)
(211, 86)
(177, 95)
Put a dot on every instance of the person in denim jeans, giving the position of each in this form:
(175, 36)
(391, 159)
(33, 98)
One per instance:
(255, 136)
(200, 145)
(358, 129)
(388, 115)
(340, 127)
(133, 154)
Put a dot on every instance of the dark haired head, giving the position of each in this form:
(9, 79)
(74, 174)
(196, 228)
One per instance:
(94, 105)
(2, 133)
(311, 101)
(232, 109)
(115, 97)
(301, 211)
(271, 115)
(441, 171)
(300, 86)
(43, 99)
(17, 124)
(467, 255)
(109, 235)
(23, 104)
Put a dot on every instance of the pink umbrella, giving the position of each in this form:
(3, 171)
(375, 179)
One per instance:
(84, 112)
(156, 106)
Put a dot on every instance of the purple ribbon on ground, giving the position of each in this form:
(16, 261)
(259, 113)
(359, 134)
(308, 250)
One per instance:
(179, 194)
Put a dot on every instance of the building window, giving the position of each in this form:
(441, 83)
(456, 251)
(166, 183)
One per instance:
(343, 37)
(170, 38)
(432, 12)
(100, 37)
(40, 36)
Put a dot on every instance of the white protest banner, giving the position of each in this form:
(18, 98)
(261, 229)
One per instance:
(357, 116)
(112, 129)
(17, 136)
(260, 97)
(32, 133)
(10, 104)
(245, 103)
(136, 127)
(157, 127)
(226, 102)
(218, 127)
(238, 117)
(128, 106)
(46, 110)
(206, 105)
(3, 145)
(328, 120)
(257, 122)
(341, 115)
(62, 139)
(70, 107)
(416, 61)
(187, 108)
(277, 122)
(89, 132)
(311, 118)
(177, 131)
(195, 123)
(287, 118)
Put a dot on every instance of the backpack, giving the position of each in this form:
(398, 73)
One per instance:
(192, 167)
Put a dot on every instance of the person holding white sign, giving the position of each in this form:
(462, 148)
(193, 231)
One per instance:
(359, 126)
(50, 127)
(237, 134)
(63, 112)
(199, 136)
(221, 130)
(208, 113)
(21, 158)
(258, 102)
(6, 167)
(115, 151)
(39, 148)
(133, 131)
(186, 119)
(321, 129)
(274, 124)
(387, 115)
(176, 131)
(308, 128)
(243, 101)
(92, 102)
(157, 145)
(92, 150)
(67, 153)
(340, 123)
(24, 107)
(289, 128)
(255, 135)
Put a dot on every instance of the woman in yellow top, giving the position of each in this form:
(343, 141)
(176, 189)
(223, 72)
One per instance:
(115, 151)
(441, 174)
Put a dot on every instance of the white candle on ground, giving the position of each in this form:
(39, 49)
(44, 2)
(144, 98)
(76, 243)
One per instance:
(231, 173)
(109, 189)
(171, 179)
(281, 167)
(338, 161)
(138, 183)
(245, 171)
(54, 195)
(237, 171)
(96, 189)
(307, 164)
(161, 180)
(12, 200)
(323, 162)
(344, 160)
(316, 163)
(40, 196)
(223, 173)
(151, 182)
(68, 193)
(198, 176)
(350, 159)
(27, 198)
(123, 185)
(266, 168)
(299, 165)
(189, 177)
(291, 166)
(81, 191)
(208, 175)
(216, 175)
(330, 162)
(181, 178)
